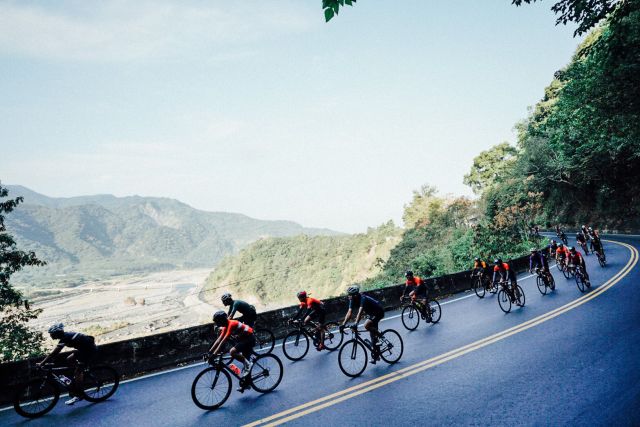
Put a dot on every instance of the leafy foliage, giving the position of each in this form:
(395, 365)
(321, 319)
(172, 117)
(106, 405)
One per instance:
(16, 339)
(332, 7)
(585, 13)
(490, 166)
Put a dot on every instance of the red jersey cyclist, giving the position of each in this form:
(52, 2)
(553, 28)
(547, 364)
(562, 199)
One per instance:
(311, 308)
(243, 335)
(575, 258)
(415, 287)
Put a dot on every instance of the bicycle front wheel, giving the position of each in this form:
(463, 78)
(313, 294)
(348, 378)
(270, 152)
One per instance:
(410, 317)
(520, 298)
(266, 373)
(566, 272)
(295, 345)
(391, 346)
(332, 336)
(265, 341)
(436, 311)
(100, 383)
(580, 283)
(36, 398)
(478, 287)
(211, 388)
(542, 286)
(352, 358)
(504, 301)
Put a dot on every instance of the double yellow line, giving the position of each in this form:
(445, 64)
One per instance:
(332, 399)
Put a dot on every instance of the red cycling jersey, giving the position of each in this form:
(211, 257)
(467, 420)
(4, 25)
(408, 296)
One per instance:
(562, 251)
(414, 281)
(311, 303)
(505, 266)
(575, 258)
(237, 328)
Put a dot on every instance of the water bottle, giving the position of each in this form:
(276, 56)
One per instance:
(65, 380)
(235, 369)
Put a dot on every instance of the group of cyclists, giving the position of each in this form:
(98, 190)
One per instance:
(240, 331)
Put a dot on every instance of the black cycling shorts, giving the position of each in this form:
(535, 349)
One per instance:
(376, 318)
(85, 356)
(421, 291)
(245, 344)
(317, 315)
(247, 320)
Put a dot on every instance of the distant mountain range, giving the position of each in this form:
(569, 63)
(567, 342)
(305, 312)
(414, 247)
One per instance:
(104, 235)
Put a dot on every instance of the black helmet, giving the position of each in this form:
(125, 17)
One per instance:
(477, 259)
(56, 330)
(572, 249)
(301, 294)
(220, 318)
(560, 245)
(353, 290)
(226, 298)
(497, 261)
(578, 234)
(408, 274)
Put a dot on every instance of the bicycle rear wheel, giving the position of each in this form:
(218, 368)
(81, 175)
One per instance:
(391, 346)
(100, 382)
(478, 287)
(352, 358)
(295, 345)
(36, 397)
(266, 373)
(436, 311)
(211, 388)
(504, 301)
(332, 336)
(265, 341)
(410, 317)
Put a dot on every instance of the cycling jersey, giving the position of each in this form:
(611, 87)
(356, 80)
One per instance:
(415, 284)
(536, 260)
(314, 308)
(576, 259)
(505, 271)
(480, 264)
(580, 238)
(244, 308)
(562, 251)
(236, 328)
(369, 305)
(84, 345)
(504, 266)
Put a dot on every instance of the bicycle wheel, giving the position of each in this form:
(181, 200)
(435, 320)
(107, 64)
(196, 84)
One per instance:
(410, 317)
(100, 382)
(601, 260)
(504, 301)
(211, 388)
(36, 397)
(266, 373)
(265, 341)
(436, 311)
(566, 273)
(580, 283)
(542, 286)
(520, 300)
(352, 358)
(552, 282)
(332, 336)
(493, 287)
(478, 287)
(391, 346)
(295, 345)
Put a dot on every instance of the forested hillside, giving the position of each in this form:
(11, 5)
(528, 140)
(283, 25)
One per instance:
(97, 236)
(270, 271)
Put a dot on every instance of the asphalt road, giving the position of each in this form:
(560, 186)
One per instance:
(565, 358)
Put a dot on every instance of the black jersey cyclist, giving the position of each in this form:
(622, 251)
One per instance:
(84, 350)
(582, 241)
(538, 260)
(373, 309)
(247, 311)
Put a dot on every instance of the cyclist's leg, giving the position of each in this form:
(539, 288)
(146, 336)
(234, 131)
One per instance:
(321, 319)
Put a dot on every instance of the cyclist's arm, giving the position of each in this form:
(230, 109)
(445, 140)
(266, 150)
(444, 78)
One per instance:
(347, 317)
(53, 353)
(298, 313)
(359, 315)
(215, 348)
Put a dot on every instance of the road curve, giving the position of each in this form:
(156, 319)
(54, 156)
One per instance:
(565, 358)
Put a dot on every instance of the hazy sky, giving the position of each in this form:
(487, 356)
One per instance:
(260, 107)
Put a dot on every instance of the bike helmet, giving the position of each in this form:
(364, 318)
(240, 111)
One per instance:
(408, 274)
(578, 234)
(226, 298)
(301, 295)
(497, 261)
(533, 250)
(553, 242)
(353, 290)
(572, 249)
(590, 229)
(56, 330)
(477, 259)
(220, 318)
(560, 245)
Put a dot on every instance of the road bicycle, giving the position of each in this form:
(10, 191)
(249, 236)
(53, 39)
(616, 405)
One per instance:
(581, 280)
(583, 245)
(482, 283)
(561, 264)
(212, 386)
(414, 310)
(544, 281)
(295, 344)
(563, 238)
(353, 355)
(510, 294)
(602, 259)
(40, 394)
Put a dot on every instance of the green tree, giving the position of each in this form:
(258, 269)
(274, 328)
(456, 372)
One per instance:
(490, 166)
(332, 7)
(17, 340)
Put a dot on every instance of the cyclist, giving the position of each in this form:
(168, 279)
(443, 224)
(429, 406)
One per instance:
(538, 260)
(248, 311)
(242, 333)
(373, 309)
(596, 245)
(553, 246)
(503, 270)
(575, 258)
(582, 241)
(84, 351)
(312, 309)
(561, 253)
(418, 289)
(480, 268)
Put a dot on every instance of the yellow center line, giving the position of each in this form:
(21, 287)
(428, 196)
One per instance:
(383, 380)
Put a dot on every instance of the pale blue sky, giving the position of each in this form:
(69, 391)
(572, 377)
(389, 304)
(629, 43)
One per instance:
(262, 108)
